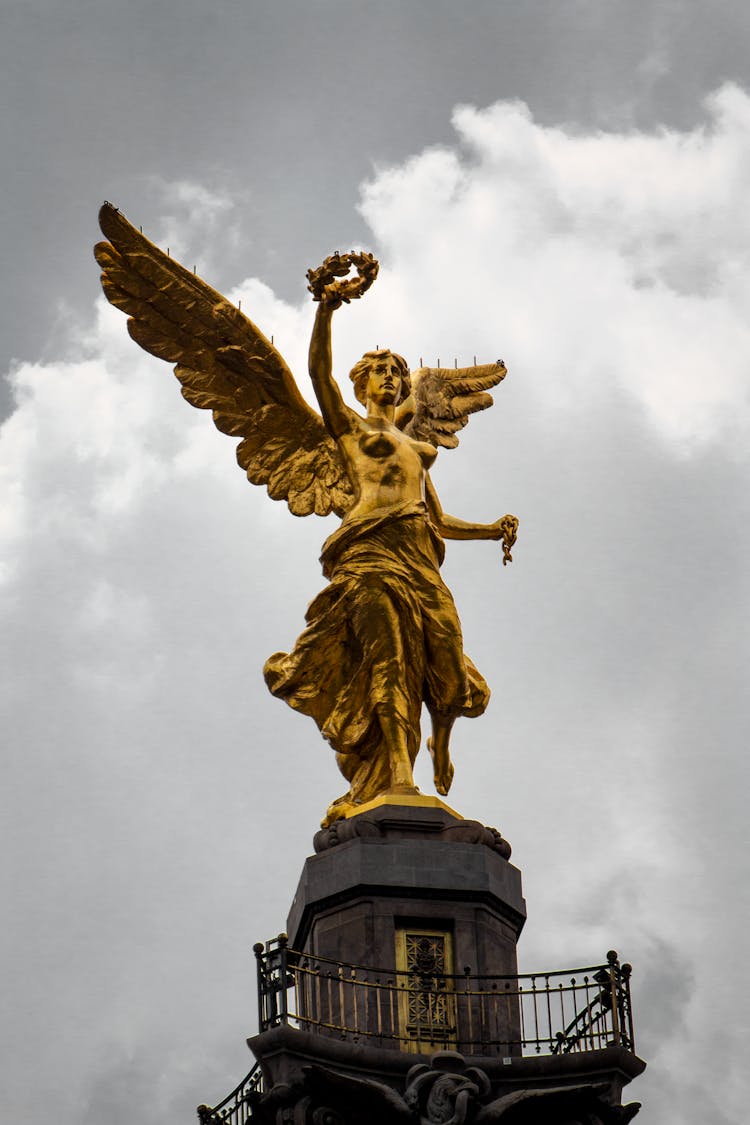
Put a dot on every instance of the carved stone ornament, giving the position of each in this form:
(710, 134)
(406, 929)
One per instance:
(456, 832)
(445, 1091)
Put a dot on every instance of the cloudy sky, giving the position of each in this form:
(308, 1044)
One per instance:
(562, 183)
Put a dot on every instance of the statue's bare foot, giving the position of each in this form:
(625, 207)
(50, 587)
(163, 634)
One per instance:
(442, 765)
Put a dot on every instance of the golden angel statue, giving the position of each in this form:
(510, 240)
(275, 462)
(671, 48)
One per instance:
(384, 636)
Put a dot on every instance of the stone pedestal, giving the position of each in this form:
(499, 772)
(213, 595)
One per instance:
(395, 996)
(414, 893)
(379, 881)
(414, 865)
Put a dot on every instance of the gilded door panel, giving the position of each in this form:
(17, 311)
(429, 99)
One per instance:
(427, 1009)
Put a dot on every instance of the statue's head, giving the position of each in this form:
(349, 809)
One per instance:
(373, 363)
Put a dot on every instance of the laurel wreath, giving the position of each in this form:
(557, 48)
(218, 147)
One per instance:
(324, 285)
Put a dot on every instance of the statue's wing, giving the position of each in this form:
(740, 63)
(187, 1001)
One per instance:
(364, 1100)
(225, 365)
(558, 1103)
(444, 397)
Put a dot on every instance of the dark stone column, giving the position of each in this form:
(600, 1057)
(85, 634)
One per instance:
(410, 866)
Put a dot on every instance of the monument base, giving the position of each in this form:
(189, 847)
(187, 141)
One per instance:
(309, 1080)
(398, 869)
(396, 998)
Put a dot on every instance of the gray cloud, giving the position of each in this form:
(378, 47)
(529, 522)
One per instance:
(290, 105)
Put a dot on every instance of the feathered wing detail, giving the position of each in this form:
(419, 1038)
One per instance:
(444, 397)
(226, 365)
(569, 1103)
(364, 1100)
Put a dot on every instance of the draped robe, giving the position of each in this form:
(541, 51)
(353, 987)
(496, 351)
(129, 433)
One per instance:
(382, 638)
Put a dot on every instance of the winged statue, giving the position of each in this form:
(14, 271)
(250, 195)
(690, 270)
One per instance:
(383, 637)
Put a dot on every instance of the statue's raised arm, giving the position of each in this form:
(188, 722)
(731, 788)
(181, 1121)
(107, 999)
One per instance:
(331, 292)
(384, 636)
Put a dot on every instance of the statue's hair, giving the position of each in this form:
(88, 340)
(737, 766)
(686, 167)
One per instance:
(361, 370)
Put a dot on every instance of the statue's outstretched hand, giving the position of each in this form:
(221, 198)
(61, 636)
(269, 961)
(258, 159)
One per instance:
(507, 532)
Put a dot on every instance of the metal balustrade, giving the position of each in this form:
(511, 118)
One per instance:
(237, 1107)
(554, 1013)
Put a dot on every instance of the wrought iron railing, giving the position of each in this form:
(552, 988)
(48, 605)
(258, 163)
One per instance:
(533, 1013)
(237, 1107)
(555, 1013)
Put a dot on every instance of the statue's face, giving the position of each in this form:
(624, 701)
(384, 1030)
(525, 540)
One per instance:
(384, 380)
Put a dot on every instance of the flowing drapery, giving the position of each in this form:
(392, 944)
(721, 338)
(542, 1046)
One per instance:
(382, 638)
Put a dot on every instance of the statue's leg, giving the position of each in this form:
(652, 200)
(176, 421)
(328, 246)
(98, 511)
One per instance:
(378, 630)
(439, 747)
(402, 777)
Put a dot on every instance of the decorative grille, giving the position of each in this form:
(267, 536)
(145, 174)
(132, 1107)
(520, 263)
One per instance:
(427, 1006)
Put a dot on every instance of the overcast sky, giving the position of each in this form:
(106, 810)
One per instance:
(562, 184)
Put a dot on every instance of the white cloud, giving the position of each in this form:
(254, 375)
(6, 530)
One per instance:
(145, 583)
(603, 263)
(200, 225)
